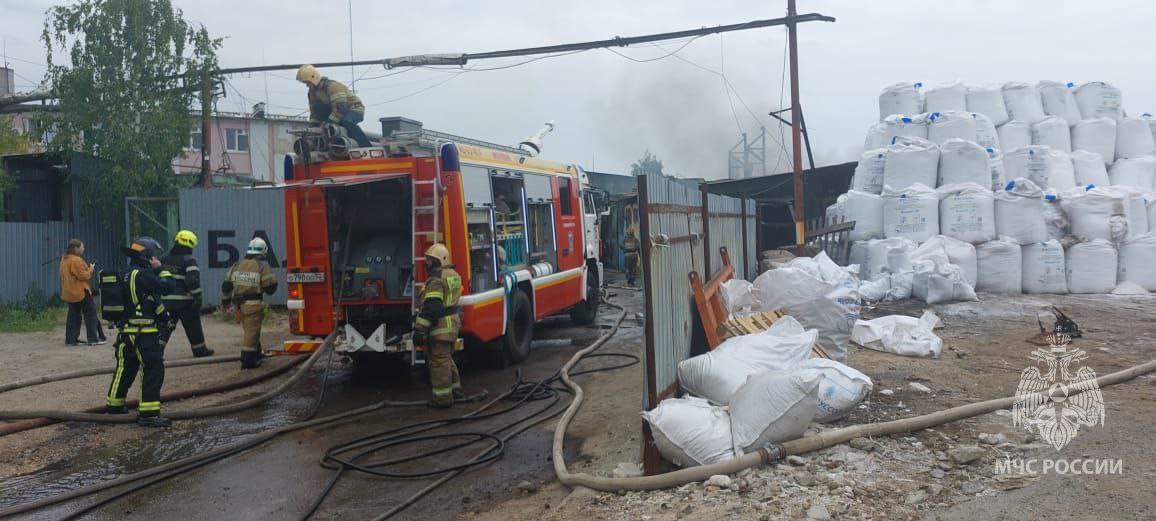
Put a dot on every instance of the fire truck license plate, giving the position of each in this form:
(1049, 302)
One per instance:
(301, 278)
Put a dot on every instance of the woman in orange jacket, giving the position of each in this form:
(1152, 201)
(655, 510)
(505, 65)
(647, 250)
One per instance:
(76, 290)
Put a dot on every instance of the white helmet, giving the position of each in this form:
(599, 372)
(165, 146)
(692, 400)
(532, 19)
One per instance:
(257, 246)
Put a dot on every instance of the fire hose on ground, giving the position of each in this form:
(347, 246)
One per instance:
(776, 453)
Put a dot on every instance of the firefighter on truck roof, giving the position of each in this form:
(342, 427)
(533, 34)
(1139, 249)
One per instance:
(242, 288)
(437, 325)
(331, 101)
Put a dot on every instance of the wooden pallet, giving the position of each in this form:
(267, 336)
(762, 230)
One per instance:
(756, 323)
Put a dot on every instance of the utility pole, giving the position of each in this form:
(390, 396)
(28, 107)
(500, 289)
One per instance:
(206, 110)
(796, 140)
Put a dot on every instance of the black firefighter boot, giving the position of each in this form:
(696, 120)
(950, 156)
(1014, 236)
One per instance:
(202, 351)
(153, 420)
(250, 359)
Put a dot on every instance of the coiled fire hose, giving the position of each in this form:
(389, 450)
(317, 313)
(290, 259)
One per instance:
(775, 453)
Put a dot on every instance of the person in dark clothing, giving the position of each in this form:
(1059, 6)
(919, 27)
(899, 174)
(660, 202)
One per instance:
(76, 291)
(184, 303)
(138, 345)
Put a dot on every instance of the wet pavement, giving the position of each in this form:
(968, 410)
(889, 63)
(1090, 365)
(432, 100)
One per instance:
(282, 478)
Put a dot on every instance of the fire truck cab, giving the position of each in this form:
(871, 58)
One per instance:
(521, 232)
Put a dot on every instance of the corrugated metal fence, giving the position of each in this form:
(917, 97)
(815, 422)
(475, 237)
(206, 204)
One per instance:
(30, 255)
(225, 219)
(675, 243)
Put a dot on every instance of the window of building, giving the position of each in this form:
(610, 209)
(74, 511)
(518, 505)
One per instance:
(236, 140)
(565, 194)
(195, 141)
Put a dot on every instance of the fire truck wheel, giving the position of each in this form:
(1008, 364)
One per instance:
(520, 330)
(584, 313)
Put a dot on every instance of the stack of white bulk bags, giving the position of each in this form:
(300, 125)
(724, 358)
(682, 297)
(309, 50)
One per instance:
(911, 213)
(1137, 172)
(1138, 261)
(1043, 267)
(869, 171)
(1047, 168)
(1014, 134)
(996, 166)
(866, 209)
(1089, 168)
(952, 124)
(949, 96)
(897, 125)
(967, 212)
(1096, 135)
(1019, 212)
(1059, 100)
(1091, 267)
(985, 133)
(1053, 131)
(1134, 138)
(987, 100)
(910, 161)
(963, 162)
(900, 98)
(1000, 266)
(876, 137)
(1023, 102)
(1098, 99)
(1098, 213)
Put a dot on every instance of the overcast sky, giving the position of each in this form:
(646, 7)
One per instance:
(609, 109)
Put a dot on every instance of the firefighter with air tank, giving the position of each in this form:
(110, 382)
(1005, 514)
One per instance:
(242, 288)
(437, 323)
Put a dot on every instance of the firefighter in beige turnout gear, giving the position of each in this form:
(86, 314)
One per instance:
(242, 288)
(437, 325)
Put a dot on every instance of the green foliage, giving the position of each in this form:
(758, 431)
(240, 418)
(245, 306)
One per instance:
(38, 311)
(126, 74)
(11, 142)
(648, 164)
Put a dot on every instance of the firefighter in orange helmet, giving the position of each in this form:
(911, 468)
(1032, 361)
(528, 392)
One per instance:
(437, 325)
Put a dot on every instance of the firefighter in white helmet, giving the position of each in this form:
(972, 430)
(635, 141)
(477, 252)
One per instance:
(437, 324)
(242, 288)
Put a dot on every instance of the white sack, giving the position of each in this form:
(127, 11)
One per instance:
(967, 212)
(1150, 202)
(819, 293)
(866, 209)
(987, 100)
(738, 296)
(690, 431)
(1136, 172)
(898, 125)
(1060, 100)
(1098, 99)
(1134, 138)
(834, 212)
(716, 375)
(900, 98)
(985, 133)
(1000, 266)
(902, 335)
(1019, 214)
(996, 166)
(910, 161)
(912, 212)
(1135, 210)
(1043, 267)
(1096, 213)
(1091, 267)
(840, 390)
(876, 288)
(1089, 168)
(1138, 261)
(942, 126)
(1129, 288)
(1055, 218)
(1023, 102)
(874, 255)
(942, 249)
(1054, 132)
(1014, 134)
(772, 407)
(1045, 167)
(876, 137)
(1151, 124)
(949, 96)
(869, 171)
(962, 162)
(1096, 135)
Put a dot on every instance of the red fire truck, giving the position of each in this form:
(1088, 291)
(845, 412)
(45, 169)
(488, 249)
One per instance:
(521, 232)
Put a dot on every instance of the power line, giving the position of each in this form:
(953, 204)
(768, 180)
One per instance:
(726, 84)
(412, 94)
(667, 55)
